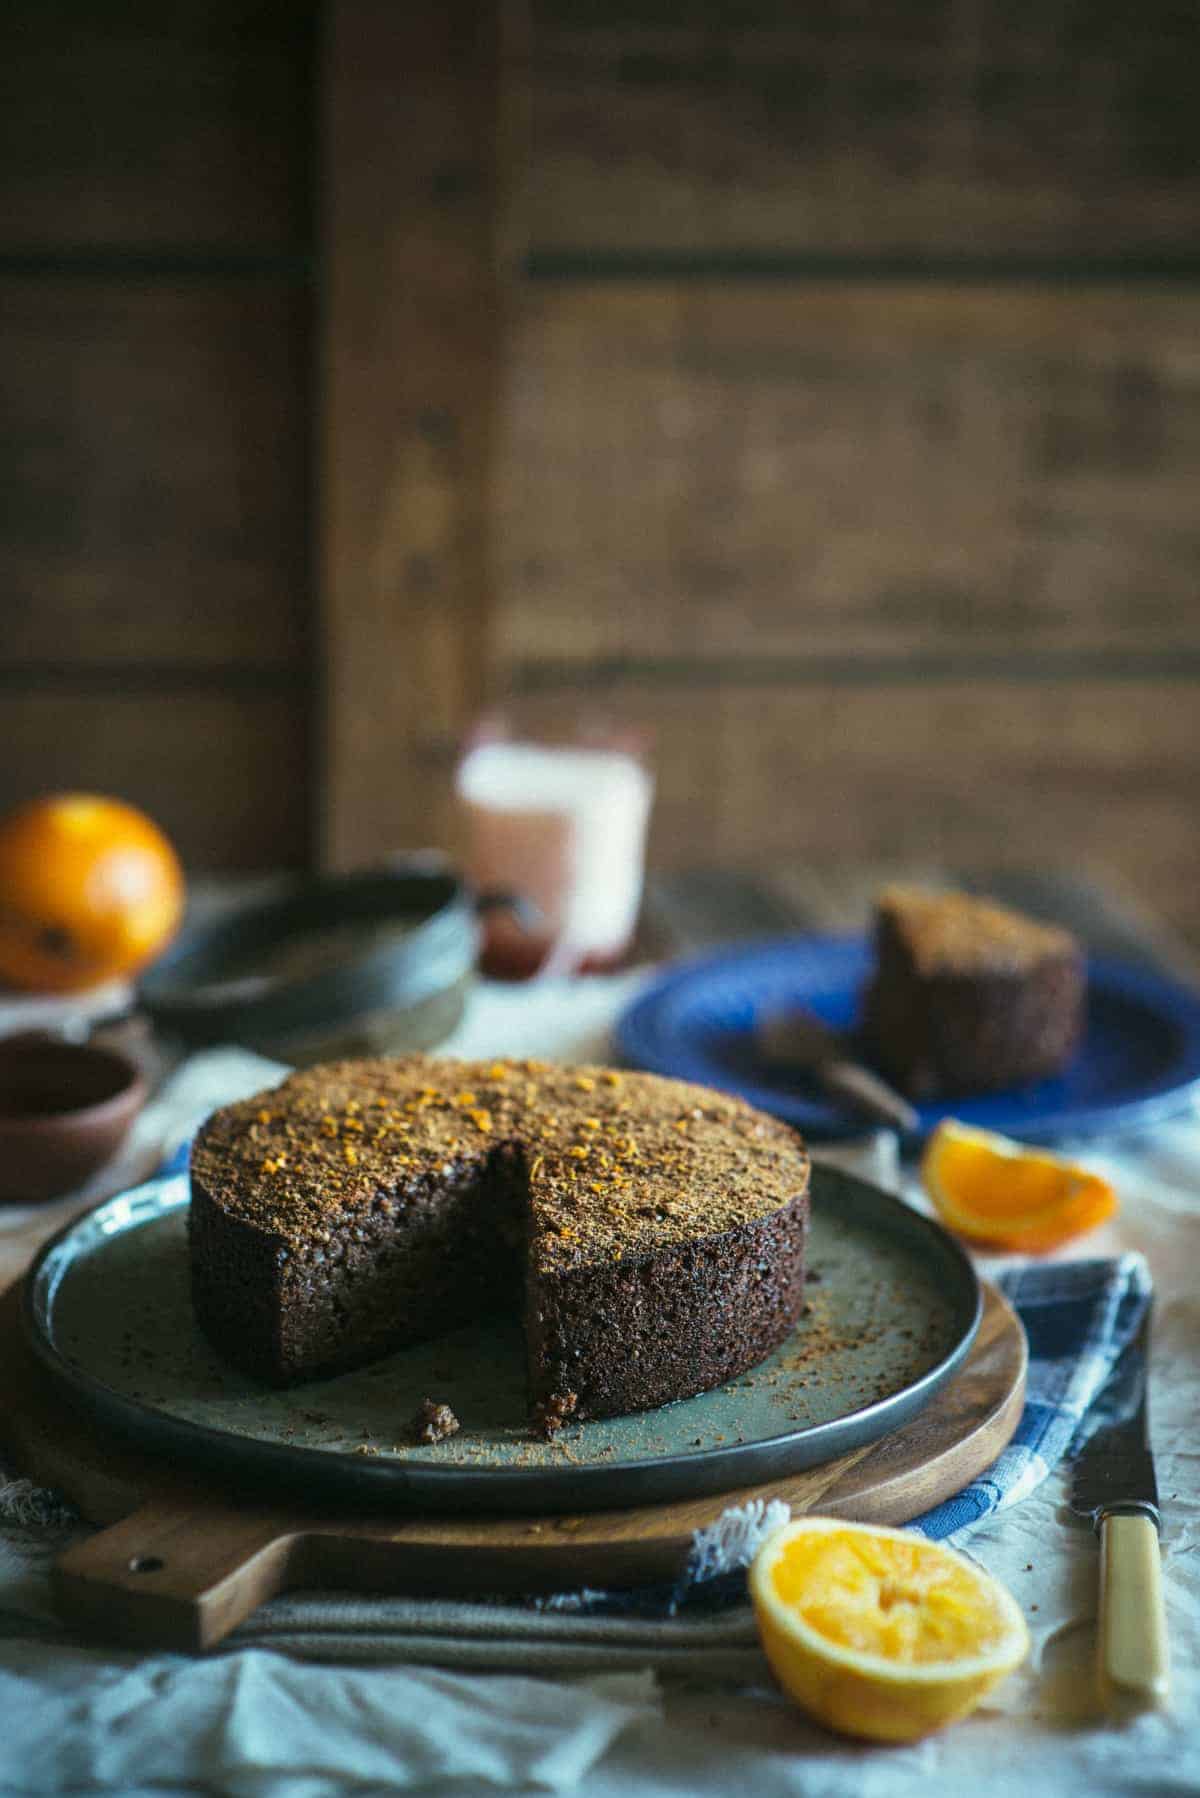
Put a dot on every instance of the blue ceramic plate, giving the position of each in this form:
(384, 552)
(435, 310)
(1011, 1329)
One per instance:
(1140, 1058)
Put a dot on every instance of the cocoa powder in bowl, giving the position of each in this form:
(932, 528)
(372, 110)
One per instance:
(65, 1109)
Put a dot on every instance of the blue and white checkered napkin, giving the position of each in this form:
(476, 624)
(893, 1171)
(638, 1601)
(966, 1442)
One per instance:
(1078, 1316)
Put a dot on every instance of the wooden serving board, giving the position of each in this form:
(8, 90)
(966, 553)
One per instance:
(182, 1561)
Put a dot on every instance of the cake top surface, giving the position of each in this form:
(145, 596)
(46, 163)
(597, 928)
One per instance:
(957, 933)
(618, 1164)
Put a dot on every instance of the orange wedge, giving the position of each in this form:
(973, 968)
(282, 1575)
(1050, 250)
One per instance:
(878, 1633)
(999, 1192)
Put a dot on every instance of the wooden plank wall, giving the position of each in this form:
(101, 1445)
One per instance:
(155, 264)
(851, 433)
(849, 430)
(410, 345)
(846, 127)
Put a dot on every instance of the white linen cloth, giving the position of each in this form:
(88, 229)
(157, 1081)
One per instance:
(253, 1721)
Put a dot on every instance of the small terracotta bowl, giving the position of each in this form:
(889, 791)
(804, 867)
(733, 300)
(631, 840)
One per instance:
(64, 1110)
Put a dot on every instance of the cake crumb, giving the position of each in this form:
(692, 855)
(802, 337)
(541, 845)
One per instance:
(549, 1414)
(434, 1422)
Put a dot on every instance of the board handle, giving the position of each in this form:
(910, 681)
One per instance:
(175, 1576)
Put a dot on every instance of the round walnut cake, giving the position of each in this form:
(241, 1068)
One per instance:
(652, 1231)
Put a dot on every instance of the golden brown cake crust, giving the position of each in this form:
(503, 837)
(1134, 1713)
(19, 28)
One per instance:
(617, 1163)
(957, 933)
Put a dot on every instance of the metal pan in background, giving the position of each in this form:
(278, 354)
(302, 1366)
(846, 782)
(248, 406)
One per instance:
(351, 964)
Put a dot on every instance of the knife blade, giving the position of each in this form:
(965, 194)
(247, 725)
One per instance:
(1113, 1485)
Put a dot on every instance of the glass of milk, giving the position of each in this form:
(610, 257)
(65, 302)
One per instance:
(560, 819)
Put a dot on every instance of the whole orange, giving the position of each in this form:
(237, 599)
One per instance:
(90, 889)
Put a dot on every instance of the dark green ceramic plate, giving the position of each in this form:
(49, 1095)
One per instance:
(893, 1308)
